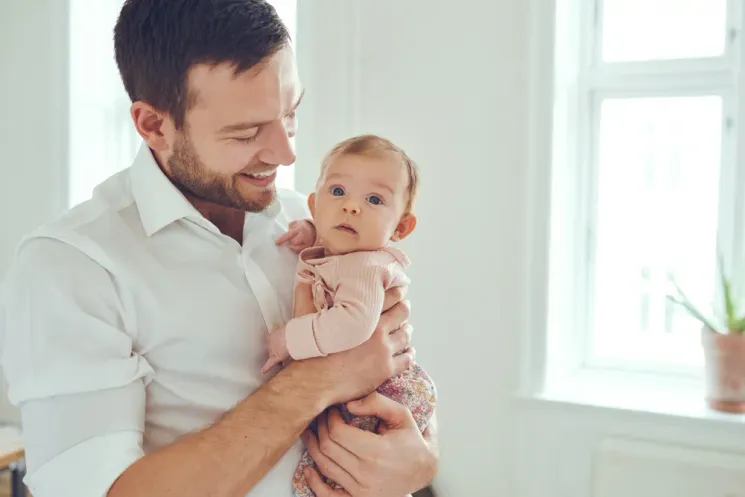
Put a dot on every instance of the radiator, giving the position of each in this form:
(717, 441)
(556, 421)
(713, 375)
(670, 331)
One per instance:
(625, 468)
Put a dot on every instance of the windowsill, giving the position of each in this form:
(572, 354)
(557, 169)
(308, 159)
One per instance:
(638, 393)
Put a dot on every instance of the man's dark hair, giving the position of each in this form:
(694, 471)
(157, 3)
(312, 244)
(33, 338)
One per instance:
(156, 42)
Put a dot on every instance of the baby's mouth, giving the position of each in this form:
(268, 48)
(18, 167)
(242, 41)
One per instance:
(347, 229)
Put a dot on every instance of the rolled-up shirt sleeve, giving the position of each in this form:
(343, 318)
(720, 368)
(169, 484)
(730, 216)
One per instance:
(71, 368)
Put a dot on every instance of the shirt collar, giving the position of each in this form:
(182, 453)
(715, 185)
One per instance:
(160, 203)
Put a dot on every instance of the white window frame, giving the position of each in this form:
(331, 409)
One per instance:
(580, 80)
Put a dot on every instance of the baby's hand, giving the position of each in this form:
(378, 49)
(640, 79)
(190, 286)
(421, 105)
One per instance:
(300, 235)
(278, 352)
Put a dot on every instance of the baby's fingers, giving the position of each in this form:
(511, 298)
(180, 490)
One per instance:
(286, 237)
(297, 247)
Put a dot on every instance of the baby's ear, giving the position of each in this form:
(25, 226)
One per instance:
(405, 226)
(312, 204)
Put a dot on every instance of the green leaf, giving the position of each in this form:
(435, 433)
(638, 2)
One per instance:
(683, 301)
(729, 303)
(738, 326)
(695, 313)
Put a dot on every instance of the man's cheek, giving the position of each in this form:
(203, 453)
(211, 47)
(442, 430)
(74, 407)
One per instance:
(234, 157)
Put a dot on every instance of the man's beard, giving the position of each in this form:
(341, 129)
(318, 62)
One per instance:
(190, 175)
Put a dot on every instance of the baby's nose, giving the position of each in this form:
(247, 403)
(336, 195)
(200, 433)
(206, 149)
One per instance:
(351, 207)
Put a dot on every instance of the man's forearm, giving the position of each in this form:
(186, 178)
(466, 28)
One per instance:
(230, 457)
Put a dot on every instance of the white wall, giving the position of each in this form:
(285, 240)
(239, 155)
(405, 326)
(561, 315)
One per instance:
(33, 140)
(446, 80)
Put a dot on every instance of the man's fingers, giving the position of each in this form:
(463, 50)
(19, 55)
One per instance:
(352, 439)
(330, 468)
(330, 435)
(319, 487)
(394, 296)
(393, 414)
(393, 318)
(401, 338)
(403, 361)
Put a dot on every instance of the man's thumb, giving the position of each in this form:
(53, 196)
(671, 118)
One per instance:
(393, 414)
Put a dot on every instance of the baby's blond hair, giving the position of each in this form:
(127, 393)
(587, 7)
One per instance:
(375, 146)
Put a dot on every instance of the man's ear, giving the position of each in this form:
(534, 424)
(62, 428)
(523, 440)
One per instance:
(312, 204)
(405, 226)
(155, 127)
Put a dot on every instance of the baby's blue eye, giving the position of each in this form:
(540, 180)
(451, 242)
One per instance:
(337, 191)
(375, 200)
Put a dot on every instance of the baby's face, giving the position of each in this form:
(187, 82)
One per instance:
(360, 202)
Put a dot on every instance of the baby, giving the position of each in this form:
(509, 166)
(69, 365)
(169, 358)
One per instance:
(363, 203)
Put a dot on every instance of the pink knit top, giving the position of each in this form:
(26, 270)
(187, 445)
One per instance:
(348, 292)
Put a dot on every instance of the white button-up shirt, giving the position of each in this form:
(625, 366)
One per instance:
(132, 321)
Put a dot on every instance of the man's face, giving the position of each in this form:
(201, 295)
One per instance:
(237, 133)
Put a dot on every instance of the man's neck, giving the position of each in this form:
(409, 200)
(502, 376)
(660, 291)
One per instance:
(227, 219)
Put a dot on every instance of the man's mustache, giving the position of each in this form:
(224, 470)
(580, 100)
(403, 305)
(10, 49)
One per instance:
(258, 167)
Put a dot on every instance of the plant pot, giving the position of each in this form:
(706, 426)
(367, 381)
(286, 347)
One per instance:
(724, 357)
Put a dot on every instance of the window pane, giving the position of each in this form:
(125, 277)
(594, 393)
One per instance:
(657, 212)
(639, 30)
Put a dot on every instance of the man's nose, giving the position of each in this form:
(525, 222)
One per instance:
(351, 207)
(278, 148)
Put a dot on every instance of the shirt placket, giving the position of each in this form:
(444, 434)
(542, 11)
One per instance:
(263, 290)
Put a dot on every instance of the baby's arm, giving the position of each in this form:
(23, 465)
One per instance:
(348, 323)
(358, 302)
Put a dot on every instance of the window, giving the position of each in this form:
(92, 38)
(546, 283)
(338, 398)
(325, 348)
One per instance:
(103, 140)
(648, 186)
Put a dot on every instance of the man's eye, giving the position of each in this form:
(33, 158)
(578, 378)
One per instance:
(337, 191)
(375, 200)
(246, 140)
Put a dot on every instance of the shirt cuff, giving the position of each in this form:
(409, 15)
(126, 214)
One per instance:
(301, 341)
(89, 469)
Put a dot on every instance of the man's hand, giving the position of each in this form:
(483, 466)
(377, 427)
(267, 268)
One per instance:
(300, 235)
(395, 462)
(354, 373)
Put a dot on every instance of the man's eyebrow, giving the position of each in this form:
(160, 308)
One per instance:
(230, 128)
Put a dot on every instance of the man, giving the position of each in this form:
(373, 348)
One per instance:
(134, 326)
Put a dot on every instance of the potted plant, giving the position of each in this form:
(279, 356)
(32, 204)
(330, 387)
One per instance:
(723, 341)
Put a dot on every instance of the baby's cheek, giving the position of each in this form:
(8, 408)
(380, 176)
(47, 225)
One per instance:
(384, 228)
